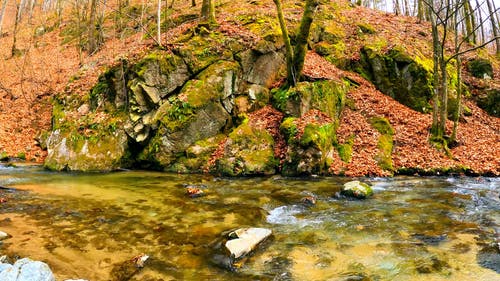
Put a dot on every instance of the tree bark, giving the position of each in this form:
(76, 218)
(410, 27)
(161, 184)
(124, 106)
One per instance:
(495, 26)
(92, 40)
(158, 23)
(2, 13)
(208, 11)
(14, 33)
(469, 22)
(482, 37)
(288, 46)
(397, 7)
(303, 36)
(435, 57)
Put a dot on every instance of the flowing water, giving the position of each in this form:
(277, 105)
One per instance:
(89, 225)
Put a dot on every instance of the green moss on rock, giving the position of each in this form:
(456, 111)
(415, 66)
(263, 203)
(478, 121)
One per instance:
(490, 101)
(326, 96)
(345, 149)
(385, 142)
(480, 68)
(356, 189)
(397, 75)
(249, 151)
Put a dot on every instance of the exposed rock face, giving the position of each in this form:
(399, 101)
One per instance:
(490, 101)
(480, 68)
(316, 107)
(247, 151)
(164, 111)
(65, 152)
(398, 76)
(26, 270)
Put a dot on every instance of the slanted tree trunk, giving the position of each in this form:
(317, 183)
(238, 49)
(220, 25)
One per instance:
(495, 26)
(469, 22)
(443, 106)
(435, 57)
(458, 111)
(14, 33)
(158, 23)
(92, 40)
(301, 41)
(420, 9)
(2, 13)
(482, 37)
(208, 11)
(397, 7)
(288, 46)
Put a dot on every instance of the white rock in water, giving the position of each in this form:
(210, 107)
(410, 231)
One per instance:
(247, 239)
(3, 235)
(26, 270)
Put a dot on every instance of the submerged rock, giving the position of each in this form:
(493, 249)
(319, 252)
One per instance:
(244, 240)
(356, 189)
(231, 250)
(3, 235)
(26, 270)
(489, 257)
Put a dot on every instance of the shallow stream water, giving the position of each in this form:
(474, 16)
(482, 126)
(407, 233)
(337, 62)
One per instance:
(413, 228)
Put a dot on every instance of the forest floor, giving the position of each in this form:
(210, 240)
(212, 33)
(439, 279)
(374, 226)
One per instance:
(44, 65)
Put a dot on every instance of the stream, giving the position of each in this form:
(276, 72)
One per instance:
(413, 228)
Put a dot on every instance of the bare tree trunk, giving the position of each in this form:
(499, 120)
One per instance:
(494, 25)
(288, 46)
(407, 8)
(482, 38)
(193, 3)
(208, 11)
(158, 23)
(31, 7)
(436, 85)
(16, 24)
(92, 44)
(458, 111)
(469, 22)
(397, 8)
(2, 13)
(301, 40)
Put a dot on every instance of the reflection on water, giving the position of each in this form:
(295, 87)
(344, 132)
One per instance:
(86, 225)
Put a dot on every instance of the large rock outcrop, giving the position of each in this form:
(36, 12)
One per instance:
(166, 110)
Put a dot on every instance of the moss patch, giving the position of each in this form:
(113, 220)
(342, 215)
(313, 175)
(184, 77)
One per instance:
(326, 96)
(385, 142)
(397, 75)
(249, 151)
(480, 68)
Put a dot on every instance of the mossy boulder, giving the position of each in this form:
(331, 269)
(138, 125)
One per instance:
(480, 68)
(200, 111)
(310, 152)
(179, 129)
(385, 142)
(326, 96)
(247, 151)
(489, 101)
(396, 74)
(196, 157)
(261, 69)
(74, 152)
(160, 70)
(199, 50)
(356, 189)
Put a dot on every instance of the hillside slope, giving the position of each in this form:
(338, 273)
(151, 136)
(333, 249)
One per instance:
(342, 39)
